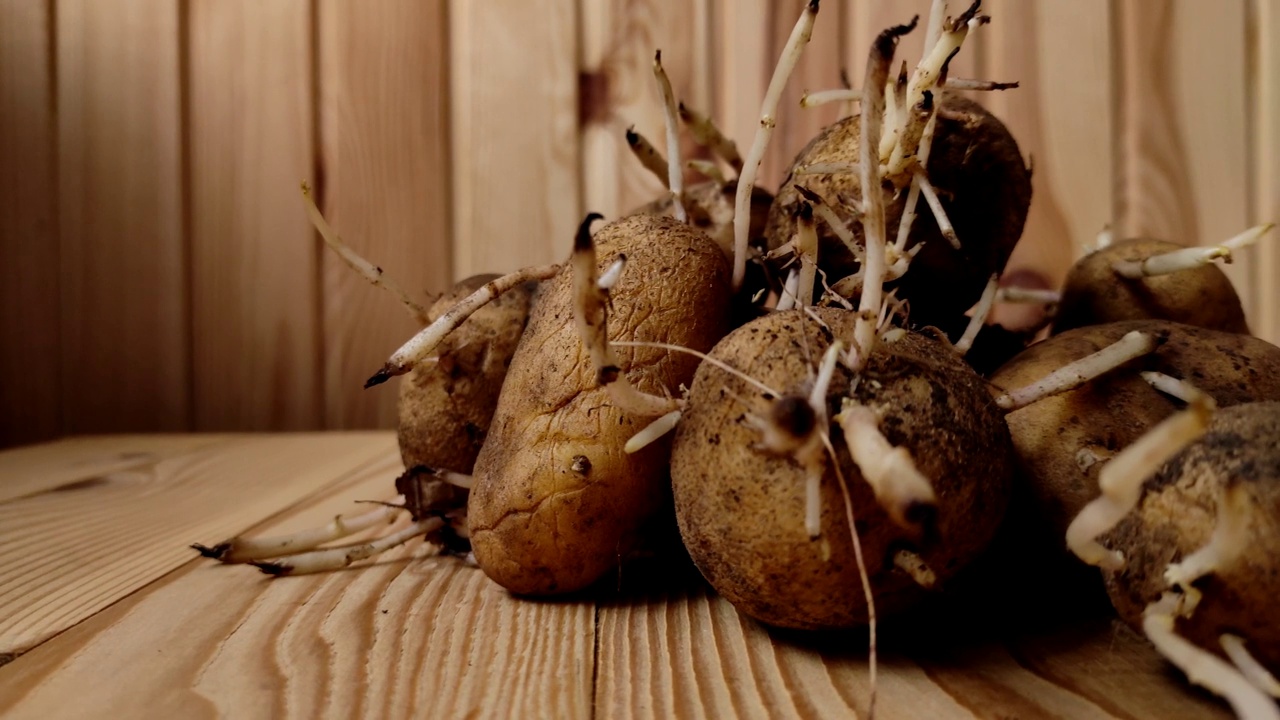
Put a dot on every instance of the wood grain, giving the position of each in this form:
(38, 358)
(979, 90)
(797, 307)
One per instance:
(617, 90)
(125, 359)
(1069, 205)
(29, 327)
(71, 461)
(1264, 45)
(1182, 125)
(516, 156)
(66, 555)
(411, 631)
(689, 654)
(255, 298)
(384, 156)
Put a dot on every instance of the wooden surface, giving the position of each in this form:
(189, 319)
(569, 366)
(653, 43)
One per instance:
(159, 274)
(105, 612)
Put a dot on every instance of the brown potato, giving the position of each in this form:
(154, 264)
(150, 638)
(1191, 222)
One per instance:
(445, 406)
(710, 208)
(556, 501)
(1094, 293)
(1177, 516)
(741, 509)
(985, 188)
(1063, 440)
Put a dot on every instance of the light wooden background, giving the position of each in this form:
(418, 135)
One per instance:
(157, 271)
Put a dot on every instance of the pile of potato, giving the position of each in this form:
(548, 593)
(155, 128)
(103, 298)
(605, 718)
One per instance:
(803, 379)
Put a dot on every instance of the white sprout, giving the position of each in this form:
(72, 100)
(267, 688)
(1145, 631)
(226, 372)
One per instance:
(240, 550)
(979, 318)
(340, 557)
(1188, 258)
(675, 168)
(1074, 374)
(651, 432)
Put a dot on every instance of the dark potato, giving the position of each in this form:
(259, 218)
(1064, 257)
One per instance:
(1095, 294)
(979, 173)
(741, 509)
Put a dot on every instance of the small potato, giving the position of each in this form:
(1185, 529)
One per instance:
(1063, 441)
(978, 171)
(445, 406)
(1095, 294)
(741, 509)
(710, 208)
(556, 500)
(1177, 516)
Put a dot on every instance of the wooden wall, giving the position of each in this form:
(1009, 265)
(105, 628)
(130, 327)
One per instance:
(157, 271)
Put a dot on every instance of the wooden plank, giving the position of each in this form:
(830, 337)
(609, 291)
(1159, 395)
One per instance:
(254, 284)
(385, 185)
(29, 331)
(69, 462)
(411, 635)
(691, 655)
(617, 90)
(1182, 133)
(1071, 201)
(125, 361)
(64, 556)
(1264, 29)
(740, 42)
(516, 158)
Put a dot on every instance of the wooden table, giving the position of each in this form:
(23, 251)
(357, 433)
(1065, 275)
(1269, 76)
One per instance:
(105, 612)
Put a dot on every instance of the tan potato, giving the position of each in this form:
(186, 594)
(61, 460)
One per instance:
(445, 406)
(556, 501)
(741, 509)
(1177, 516)
(1063, 441)
(1095, 294)
(985, 188)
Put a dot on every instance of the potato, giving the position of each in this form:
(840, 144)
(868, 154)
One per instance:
(556, 501)
(445, 406)
(1177, 516)
(1094, 293)
(1063, 440)
(710, 207)
(741, 510)
(985, 188)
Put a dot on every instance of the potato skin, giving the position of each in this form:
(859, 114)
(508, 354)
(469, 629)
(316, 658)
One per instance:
(556, 501)
(445, 407)
(978, 170)
(1094, 294)
(741, 510)
(1062, 440)
(1176, 517)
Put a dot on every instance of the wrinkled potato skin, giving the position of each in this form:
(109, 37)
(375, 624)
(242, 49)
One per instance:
(741, 510)
(1110, 413)
(1176, 517)
(1094, 294)
(540, 522)
(710, 208)
(985, 188)
(445, 407)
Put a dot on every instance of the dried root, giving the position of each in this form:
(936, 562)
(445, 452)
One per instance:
(768, 119)
(706, 134)
(1075, 374)
(648, 156)
(366, 269)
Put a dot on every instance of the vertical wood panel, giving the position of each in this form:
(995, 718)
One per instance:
(254, 295)
(126, 341)
(29, 370)
(618, 90)
(1264, 23)
(741, 43)
(385, 182)
(1182, 128)
(516, 170)
(1070, 148)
